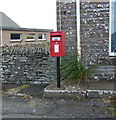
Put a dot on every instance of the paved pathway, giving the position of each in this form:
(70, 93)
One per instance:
(32, 105)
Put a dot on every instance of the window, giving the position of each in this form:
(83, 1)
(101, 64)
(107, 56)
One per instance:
(42, 37)
(16, 36)
(113, 28)
(30, 36)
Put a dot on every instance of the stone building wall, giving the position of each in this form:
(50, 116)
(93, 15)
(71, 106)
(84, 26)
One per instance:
(66, 21)
(27, 64)
(95, 38)
(94, 34)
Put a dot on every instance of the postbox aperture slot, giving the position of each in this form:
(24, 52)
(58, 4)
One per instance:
(56, 38)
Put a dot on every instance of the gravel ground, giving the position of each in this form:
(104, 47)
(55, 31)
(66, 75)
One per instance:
(34, 106)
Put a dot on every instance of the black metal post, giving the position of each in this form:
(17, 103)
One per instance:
(58, 72)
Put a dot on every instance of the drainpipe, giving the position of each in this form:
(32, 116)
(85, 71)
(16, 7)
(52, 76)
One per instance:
(1, 36)
(59, 15)
(78, 27)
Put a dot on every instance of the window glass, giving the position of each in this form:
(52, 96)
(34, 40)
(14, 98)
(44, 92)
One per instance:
(42, 36)
(15, 36)
(113, 26)
(30, 36)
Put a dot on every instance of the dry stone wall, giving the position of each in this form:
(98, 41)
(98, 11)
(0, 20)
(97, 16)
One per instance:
(27, 64)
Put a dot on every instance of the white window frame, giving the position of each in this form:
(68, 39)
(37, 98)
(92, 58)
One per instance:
(110, 52)
(30, 39)
(16, 40)
(43, 36)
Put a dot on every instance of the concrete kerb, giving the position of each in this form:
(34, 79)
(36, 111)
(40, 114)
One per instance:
(64, 94)
(51, 91)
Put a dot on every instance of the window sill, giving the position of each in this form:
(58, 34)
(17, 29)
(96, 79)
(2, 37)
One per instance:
(112, 54)
(41, 39)
(15, 40)
(29, 40)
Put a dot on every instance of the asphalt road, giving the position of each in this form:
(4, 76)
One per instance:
(33, 105)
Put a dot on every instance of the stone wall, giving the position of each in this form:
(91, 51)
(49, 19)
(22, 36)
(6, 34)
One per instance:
(66, 21)
(94, 34)
(95, 39)
(27, 64)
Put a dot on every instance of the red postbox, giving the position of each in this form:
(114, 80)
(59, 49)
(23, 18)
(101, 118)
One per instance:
(57, 44)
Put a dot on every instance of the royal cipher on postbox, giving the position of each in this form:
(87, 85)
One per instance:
(57, 44)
